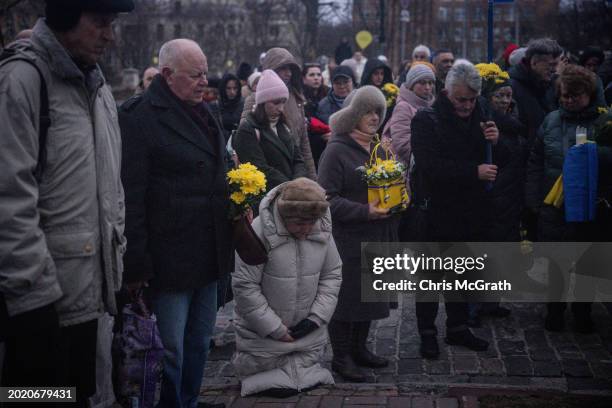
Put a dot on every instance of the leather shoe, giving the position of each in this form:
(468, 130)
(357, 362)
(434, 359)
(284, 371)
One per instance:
(365, 358)
(465, 338)
(346, 367)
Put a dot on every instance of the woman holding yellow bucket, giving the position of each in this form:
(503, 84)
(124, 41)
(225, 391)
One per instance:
(355, 220)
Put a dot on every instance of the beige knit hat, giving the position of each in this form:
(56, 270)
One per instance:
(302, 198)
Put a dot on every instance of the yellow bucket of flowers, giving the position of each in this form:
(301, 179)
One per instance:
(386, 179)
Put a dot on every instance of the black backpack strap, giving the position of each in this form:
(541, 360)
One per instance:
(44, 119)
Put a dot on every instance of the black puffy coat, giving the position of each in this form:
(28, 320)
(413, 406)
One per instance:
(228, 110)
(447, 152)
(176, 193)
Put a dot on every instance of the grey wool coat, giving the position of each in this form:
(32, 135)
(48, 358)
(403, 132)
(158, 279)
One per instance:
(300, 280)
(61, 237)
(348, 196)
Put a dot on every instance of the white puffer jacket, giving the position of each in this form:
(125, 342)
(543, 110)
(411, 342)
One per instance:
(300, 280)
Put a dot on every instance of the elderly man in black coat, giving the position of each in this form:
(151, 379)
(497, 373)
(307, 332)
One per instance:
(177, 222)
(449, 147)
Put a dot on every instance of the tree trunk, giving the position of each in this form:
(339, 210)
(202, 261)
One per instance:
(312, 29)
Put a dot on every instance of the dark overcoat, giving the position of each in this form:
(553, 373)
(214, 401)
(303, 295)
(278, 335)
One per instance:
(177, 197)
(348, 196)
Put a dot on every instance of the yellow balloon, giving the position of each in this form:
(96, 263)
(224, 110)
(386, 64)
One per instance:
(363, 39)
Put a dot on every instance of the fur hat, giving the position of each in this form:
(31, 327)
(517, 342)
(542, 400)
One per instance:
(302, 198)
(270, 87)
(357, 104)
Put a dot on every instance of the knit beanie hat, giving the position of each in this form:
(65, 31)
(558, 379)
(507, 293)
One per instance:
(418, 72)
(270, 87)
(302, 198)
(517, 56)
(252, 78)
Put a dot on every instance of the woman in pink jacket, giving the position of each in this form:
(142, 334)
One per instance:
(416, 93)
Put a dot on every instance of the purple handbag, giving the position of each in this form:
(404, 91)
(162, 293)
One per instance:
(140, 352)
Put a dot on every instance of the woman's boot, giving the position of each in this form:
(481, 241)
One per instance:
(362, 356)
(342, 363)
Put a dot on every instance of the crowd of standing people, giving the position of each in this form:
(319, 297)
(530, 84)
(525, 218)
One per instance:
(82, 178)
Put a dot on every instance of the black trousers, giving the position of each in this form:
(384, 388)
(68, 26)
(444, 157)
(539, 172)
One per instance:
(426, 312)
(49, 355)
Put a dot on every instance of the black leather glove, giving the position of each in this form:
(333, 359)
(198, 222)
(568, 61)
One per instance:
(303, 328)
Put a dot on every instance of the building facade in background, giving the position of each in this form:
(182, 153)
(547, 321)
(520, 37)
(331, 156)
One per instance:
(458, 25)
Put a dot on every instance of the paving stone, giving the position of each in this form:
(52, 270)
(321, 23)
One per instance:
(560, 339)
(518, 366)
(593, 384)
(319, 391)
(596, 354)
(544, 354)
(576, 368)
(510, 347)
(492, 366)
(567, 348)
(331, 401)
(293, 398)
(274, 405)
(422, 402)
(447, 403)
(486, 379)
(385, 348)
(469, 401)
(465, 365)
(386, 333)
(410, 366)
(410, 351)
(244, 402)
(547, 369)
(388, 393)
(602, 369)
(547, 383)
(437, 367)
(400, 402)
(369, 400)
(308, 401)
(536, 337)
(227, 400)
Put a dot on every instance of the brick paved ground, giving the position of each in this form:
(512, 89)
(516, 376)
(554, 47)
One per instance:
(521, 356)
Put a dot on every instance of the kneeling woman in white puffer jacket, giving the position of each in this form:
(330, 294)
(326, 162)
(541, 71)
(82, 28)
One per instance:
(283, 306)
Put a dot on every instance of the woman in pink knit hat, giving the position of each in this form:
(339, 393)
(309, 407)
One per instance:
(263, 138)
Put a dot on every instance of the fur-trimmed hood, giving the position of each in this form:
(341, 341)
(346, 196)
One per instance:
(356, 105)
